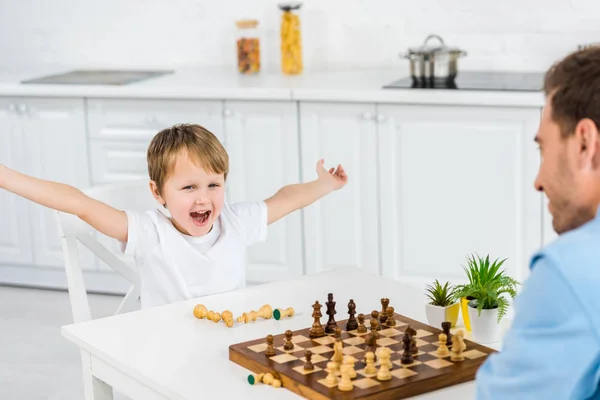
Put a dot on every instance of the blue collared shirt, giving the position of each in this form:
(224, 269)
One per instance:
(552, 350)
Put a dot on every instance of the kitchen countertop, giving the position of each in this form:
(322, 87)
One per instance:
(352, 85)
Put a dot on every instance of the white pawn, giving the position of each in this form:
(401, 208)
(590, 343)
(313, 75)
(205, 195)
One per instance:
(388, 357)
(384, 371)
(350, 361)
(345, 383)
(370, 368)
(331, 379)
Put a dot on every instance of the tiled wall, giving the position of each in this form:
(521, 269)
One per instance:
(499, 35)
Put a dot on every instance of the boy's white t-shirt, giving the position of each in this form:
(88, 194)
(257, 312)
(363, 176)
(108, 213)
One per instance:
(175, 267)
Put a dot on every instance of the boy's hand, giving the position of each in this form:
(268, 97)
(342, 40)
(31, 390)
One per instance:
(334, 178)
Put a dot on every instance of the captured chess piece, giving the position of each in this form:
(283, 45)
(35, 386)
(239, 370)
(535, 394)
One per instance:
(390, 321)
(227, 317)
(269, 379)
(279, 313)
(384, 305)
(248, 317)
(316, 330)
(351, 324)
(457, 349)
(308, 365)
(265, 312)
(446, 325)
(331, 325)
(288, 340)
(442, 350)
(270, 351)
(361, 324)
(201, 312)
(254, 379)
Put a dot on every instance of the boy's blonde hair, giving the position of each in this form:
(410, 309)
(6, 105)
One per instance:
(199, 143)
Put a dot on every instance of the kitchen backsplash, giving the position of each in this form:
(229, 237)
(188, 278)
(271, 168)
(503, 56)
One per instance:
(498, 35)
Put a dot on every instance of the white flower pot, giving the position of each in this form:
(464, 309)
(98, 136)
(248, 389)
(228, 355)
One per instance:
(436, 314)
(484, 327)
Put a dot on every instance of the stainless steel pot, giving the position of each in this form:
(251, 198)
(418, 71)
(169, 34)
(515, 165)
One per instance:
(437, 62)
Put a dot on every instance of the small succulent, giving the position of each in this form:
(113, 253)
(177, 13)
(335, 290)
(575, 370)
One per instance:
(439, 295)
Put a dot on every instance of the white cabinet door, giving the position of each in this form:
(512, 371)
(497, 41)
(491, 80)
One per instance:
(15, 230)
(55, 132)
(341, 230)
(455, 181)
(262, 141)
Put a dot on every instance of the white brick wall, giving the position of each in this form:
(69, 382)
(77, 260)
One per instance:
(498, 35)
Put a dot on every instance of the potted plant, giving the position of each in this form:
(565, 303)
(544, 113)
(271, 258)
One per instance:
(487, 288)
(442, 306)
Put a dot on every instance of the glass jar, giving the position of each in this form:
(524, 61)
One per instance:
(291, 40)
(248, 46)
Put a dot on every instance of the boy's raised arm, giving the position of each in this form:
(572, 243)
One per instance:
(66, 198)
(293, 197)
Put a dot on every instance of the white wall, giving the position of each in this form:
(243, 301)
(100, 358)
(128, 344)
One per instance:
(507, 34)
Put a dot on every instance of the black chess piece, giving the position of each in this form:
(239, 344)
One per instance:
(331, 325)
(288, 340)
(351, 324)
(383, 314)
(361, 324)
(308, 365)
(446, 328)
(270, 349)
(407, 357)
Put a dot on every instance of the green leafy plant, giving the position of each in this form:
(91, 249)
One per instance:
(487, 285)
(439, 295)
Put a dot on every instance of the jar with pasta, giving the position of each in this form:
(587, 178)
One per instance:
(291, 40)
(248, 46)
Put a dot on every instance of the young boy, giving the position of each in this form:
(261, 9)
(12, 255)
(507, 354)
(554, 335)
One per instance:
(200, 248)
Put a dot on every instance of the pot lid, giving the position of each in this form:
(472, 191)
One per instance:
(427, 48)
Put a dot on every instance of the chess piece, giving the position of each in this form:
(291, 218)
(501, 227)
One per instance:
(331, 378)
(387, 360)
(338, 333)
(407, 357)
(370, 361)
(443, 348)
(200, 311)
(371, 342)
(374, 325)
(446, 328)
(308, 365)
(265, 312)
(361, 324)
(345, 383)
(254, 379)
(390, 321)
(227, 317)
(317, 329)
(384, 369)
(384, 305)
(460, 333)
(248, 317)
(270, 349)
(269, 379)
(213, 316)
(375, 316)
(457, 351)
(331, 325)
(338, 354)
(279, 313)
(413, 342)
(288, 340)
(351, 324)
(350, 361)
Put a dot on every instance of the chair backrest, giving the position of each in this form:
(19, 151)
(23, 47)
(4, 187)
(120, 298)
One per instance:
(134, 196)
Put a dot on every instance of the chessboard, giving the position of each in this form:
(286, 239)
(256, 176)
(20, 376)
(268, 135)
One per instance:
(426, 372)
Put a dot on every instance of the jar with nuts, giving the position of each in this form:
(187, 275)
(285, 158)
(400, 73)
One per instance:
(248, 46)
(291, 40)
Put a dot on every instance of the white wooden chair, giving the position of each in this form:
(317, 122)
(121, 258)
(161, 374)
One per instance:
(134, 195)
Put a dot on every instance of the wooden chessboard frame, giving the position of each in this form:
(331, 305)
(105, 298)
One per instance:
(249, 355)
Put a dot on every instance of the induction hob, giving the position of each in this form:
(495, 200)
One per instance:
(478, 80)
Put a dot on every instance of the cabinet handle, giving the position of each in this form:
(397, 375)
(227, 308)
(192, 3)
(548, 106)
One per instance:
(23, 108)
(12, 107)
(227, 113)
(367, 116)
(381, 118)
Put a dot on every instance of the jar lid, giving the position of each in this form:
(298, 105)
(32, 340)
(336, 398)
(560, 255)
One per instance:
(247, 23)
(428, 49)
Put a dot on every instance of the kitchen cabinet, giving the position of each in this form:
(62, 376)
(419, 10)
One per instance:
(262, 142)
(454, 181)
(342, 229)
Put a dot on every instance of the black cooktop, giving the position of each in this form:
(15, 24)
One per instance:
(478, 80)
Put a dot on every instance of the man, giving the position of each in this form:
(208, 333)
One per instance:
(552, 350)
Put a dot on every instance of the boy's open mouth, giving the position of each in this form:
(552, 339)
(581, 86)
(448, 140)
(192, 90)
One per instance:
(200, 217)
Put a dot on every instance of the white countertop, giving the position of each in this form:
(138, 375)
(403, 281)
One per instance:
(170, 351)
(337, 85)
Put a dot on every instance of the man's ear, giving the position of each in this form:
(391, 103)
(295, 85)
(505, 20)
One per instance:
(586, 134)
(156, 193)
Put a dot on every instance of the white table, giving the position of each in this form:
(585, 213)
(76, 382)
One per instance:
(166, 353)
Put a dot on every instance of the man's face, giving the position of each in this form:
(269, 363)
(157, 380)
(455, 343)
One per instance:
(567, 172)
